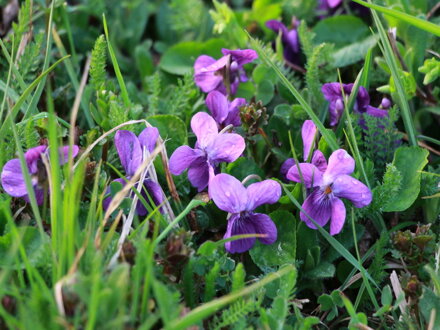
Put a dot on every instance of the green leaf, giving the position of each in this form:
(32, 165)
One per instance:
(283, 251)
(354, 52)
(409, 161)
(243, 167)
(265, 91)
(326, 302)
(35, 247)
(179, 59)
(323, 270)
(386, 297)
(431, 69)
(420, 23)
(334, 29)
(170, 127)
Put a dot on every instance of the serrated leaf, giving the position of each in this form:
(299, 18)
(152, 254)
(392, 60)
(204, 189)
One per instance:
(354, 52)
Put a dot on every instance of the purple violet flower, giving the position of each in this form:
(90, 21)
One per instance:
(224, 112)
(289, 39)
(327, 188)
(385, 103)
(329, 4)
(308, 134)
(211, 149)
(231, 196)
(12, 177)
(332, 93)
(131, 150)
(210, 74)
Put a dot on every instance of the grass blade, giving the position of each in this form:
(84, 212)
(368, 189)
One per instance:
(417, 22)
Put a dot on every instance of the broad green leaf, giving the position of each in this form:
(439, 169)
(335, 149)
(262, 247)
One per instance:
(179, 59)
(283, 251)
(335, 30)
(243, 167)
(170, 127)
(323, 270)
(409, 161)
(428, 302)
(354, 52)
(265, 91)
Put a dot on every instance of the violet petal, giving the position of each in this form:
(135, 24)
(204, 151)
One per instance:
(264, 192)
(228, 193)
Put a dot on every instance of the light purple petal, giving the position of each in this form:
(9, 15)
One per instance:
(308, 133)
(291, 40)
(285, 167)
(319, 160)
(203, 61)
(264, 192)
(385, 103)
(263, 224)
(348, 187)
(182, 158)
(336, 109)
(148, 138)
(319, 207)
(217, 103)
(338, 216)
(226, 147)
(334, 3)
(12, 179)
(204, 127)
(129, 150)
(276, 26)
(199, 174)
(310, 173)
(32, 157)
(64, 153)
(239, 226)
(339, 163)
(228, 193)
(241, 56)
(154, 191)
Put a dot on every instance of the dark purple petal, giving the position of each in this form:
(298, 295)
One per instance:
(336, 110)
(182, 158)
(129, 150)
(339, 163)
(375, 112)
(32, 157)
(264, 192)
(226, 147)
(107, 200)
(319, 207)
(152, 189)
(308, 133)
(12, 179)
(332, 91)
(239, 226)
(233, 117)
(362, 99)
(310, 173)
(148, 138)
(348, 187)
(263, 224)
(198, 174)
(217, 103)
(228, 193)
(338, 216)
(204, 127)
(241, 56)
(64, 153)
(277, 26)
(39, 196)
(319, 160)
(288, 163)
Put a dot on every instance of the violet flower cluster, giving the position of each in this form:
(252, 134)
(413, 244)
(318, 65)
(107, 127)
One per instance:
(225, 74)
(326, 186)
(12, 176)
(132, 151)
(333, 93)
